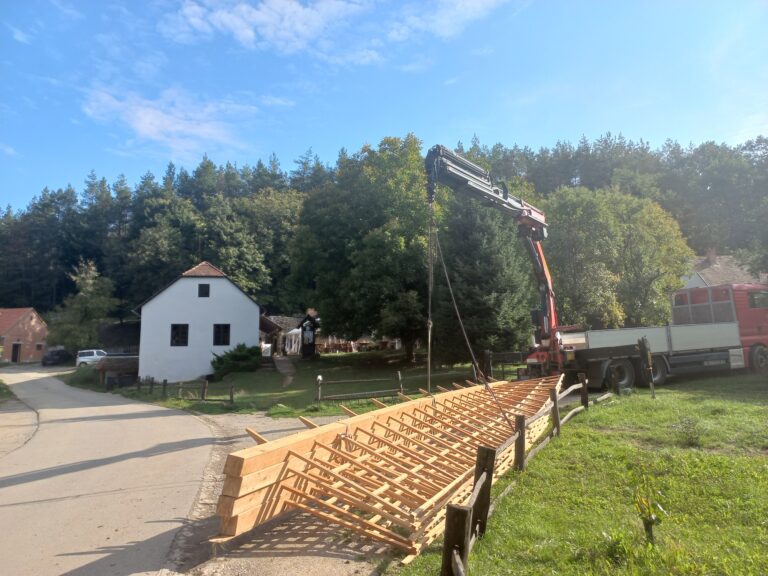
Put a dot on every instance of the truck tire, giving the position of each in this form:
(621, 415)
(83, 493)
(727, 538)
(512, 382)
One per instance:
(659, 371)
(625, 373)
(758, 358)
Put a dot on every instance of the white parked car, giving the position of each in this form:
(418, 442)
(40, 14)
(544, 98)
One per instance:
(87, 357)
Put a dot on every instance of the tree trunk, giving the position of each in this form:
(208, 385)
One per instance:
(410, 350)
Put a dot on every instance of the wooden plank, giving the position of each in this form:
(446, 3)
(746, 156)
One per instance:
(308, 423)
(347, 410)
(256, 436)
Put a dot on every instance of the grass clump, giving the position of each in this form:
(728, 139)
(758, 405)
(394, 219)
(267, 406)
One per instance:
(5, 392)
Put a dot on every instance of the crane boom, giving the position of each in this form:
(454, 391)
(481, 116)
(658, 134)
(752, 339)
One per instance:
(448, 168)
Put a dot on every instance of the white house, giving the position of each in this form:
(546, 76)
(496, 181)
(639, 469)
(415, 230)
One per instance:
(200, 313)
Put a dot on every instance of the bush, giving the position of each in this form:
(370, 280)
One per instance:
(240, 359)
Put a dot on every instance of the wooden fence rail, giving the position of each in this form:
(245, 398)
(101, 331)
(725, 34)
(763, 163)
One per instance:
(200, 389)
(464, 524)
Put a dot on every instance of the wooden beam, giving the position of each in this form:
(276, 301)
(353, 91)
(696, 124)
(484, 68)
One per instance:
(256, 436)
(308, 423)
(347, 410)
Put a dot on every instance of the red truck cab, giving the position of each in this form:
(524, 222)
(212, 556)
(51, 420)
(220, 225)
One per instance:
(746, 304)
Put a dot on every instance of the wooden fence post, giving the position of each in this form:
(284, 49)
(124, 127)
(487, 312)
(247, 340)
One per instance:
(457, 534)
(232, 394)
(138, 384)
(204, 390)
(520, 442)
(486, 462)
(400, 382)
(151, 385)
(165, 388)
(555, 410)
(488, 363)
(319, 388)
(584, 390)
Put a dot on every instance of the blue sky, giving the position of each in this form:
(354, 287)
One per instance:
(124, 87)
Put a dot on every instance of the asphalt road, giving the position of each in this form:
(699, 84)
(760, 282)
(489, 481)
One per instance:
(101, 487)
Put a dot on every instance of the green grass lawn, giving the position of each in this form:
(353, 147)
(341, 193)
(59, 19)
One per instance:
(702, 445)
(265, 389)
(5, 392)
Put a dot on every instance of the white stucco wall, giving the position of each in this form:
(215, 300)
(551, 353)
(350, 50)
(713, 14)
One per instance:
(180, 304)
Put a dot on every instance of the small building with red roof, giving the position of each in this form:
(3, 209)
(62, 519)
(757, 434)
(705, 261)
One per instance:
(201, 313)
(22, 335)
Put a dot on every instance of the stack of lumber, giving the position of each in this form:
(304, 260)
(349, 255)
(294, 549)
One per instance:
(386, 474)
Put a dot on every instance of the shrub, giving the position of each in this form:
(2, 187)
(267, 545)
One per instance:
(240, 359)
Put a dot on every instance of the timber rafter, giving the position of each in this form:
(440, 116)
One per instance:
(386, 474)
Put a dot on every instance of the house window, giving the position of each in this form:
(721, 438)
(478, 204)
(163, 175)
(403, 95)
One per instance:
(203, 290)
(179, 334)
(38, 346)
(221, 334)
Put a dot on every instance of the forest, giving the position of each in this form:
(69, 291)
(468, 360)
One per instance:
(350, 239)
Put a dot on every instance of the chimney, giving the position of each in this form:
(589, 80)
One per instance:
(712, 256)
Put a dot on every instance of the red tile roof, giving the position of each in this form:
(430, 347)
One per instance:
(205, 270)
(10, 316)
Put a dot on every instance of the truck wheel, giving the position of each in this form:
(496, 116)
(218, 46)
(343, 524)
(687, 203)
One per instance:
(659, 371)
(758, 358)
(625, 373)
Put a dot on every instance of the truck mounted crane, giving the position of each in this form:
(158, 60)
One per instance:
(448, 168)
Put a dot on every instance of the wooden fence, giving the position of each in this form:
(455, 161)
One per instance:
(194, 389)
(464, 524)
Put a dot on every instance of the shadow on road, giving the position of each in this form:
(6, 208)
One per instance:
(51, 471)
(126, 559)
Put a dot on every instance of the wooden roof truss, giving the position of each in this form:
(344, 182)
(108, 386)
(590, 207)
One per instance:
(386, 474)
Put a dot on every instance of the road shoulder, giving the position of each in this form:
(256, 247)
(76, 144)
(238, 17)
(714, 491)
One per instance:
(18, 423)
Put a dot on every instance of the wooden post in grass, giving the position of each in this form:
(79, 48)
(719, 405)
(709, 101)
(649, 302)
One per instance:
(204, 390)
(400, 382)
(319, 388)
(151, 386)
(458, 532)
(138, 384)
(486, 461)
(165, 388)
(520, 442)
(584, 390)
(232, 394)
(488, 363)
(555, 410)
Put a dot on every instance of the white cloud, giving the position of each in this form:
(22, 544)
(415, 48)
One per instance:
(182, 125)
(333, 31)
(287, 26)
(277, 101)
(67, 10)
(443, 18)
(19, 35)
(8, 150)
